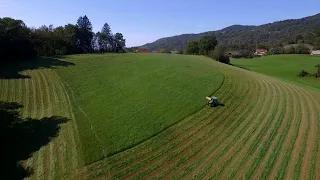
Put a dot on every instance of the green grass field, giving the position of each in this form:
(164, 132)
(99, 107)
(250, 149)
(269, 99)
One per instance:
(267, 128)
(126, 99)
(283, 66)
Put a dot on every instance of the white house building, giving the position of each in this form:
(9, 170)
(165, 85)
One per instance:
(317, 52)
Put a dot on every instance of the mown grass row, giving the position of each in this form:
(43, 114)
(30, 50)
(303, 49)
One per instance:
(212, 135)
(168, 148)
(185, 131)
(172, 132)
(238, 138)
(201, 142)
(271, 154)
(42, 96)
(232, 125)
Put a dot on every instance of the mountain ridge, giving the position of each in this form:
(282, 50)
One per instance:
(283, 31)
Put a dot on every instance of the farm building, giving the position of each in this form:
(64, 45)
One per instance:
(143, 51)
(317, 52)
(261, 52)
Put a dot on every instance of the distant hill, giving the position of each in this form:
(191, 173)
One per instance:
(273, 33)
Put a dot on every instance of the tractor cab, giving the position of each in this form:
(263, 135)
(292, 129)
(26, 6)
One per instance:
(213, 101)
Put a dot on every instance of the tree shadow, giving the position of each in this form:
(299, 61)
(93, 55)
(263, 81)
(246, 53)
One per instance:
(13, 69)
(21, 137)
(240, 67)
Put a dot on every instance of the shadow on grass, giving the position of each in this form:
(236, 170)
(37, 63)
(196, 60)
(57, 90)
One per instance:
(21, 137)
(240, 67)
(12, 70)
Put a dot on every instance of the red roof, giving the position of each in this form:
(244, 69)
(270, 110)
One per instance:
(261, 50)
(143, 51)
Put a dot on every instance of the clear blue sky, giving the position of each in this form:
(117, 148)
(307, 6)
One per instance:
(143, 21)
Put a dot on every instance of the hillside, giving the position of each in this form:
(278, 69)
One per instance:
(81, 107)
(272, 33)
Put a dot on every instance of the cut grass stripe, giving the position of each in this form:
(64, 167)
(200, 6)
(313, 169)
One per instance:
(287, 154)
(211, 148)
(233, 154)
(257, 131)
(159, 146)
(247, 127)
(283, 120)
(274, 147)
(207, 141)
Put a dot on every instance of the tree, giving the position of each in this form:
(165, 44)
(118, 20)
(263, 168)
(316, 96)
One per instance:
(119, 43)
(193, 48)
(15, 40)
(70, 38)
(84, 35)
(290, 50)
(301, 49)
(207, 44)
(105, 39)
(276, 50)
(220, 53)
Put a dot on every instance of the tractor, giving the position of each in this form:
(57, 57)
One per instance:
(213, 101)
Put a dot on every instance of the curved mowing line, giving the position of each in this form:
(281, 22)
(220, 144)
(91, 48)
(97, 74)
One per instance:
(170, 142)
(283, 166)
(72, 152)
(74, 123)
(150, 141)
(205, 141)
(274, 149)
(241, 136)
(200, 155)
(257, 130)
(219, 133)
(48, 103)
(88, 119)
(311, 170)
(203, 137)
(315, 161)
(307, 158)
(228, 149)
(305, 136)
(27, 98)
(275, 138)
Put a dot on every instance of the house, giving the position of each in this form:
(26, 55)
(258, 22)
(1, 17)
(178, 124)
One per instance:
(143, 51)
(317, 52)
(261, 52)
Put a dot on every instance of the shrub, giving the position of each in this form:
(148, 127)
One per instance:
(303, 73)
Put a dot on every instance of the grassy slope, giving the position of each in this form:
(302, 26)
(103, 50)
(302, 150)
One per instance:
(128, 98)
(283, 66)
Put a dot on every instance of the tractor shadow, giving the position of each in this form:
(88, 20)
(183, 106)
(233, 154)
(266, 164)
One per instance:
(13, 69)
(21, 137)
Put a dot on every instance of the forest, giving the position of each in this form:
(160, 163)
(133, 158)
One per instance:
(20, 42)
(305, 30)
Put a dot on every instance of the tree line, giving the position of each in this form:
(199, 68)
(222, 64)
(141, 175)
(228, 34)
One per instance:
(18, 41)
(207, 46)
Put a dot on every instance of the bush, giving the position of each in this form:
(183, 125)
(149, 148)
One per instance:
(303, 73)
(302, 49)
(220, 54)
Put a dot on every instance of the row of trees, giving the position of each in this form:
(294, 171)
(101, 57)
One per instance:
(208, 46)
(17, 41)
(299, 49)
